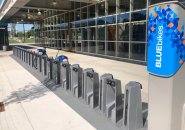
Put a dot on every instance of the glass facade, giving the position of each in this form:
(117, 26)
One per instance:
(112, 28)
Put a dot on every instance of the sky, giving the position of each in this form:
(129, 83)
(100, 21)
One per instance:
(19, 27)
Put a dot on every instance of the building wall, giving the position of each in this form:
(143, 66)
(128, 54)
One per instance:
(113, 28)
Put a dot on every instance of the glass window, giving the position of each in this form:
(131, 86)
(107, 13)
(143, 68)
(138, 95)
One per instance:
(78, 35)
(92, 47)
(71, 16)
(123, 49)
(77, 15)
(77, 24)
(139, 4)
(123, 32)
(91, 11)
(84, 13)
(138, 16)
(83, 23)
(84, 34)
(66, 18)
(78, 45)
(101, 21)
(138, 32)
(123, 18)
(111, 19)
(124, 5)
(76, 5)
(72, 34)
(101, 9)
(64, 44)
(111, 7)
(138, 51)
(91, 22)
(151, 2)
(111, 47)
(85, 46)
(101, 33)
(63, 35)
(92, 33)
(101, 48)
(73, 45)
(111, 33)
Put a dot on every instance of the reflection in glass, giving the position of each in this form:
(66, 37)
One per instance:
(101, 21)
(124, 5)
(77, 24)
(91, 22)
(85, 46)
(111, 19)
(77, 14)
(78, 45)
(101, 48)
(91, 11)
(151, 2)
(138, 16)
(64, 44)
(111, 7)
(138, 32)
(78, 35)
(83, 23)
(101, 33)
(92, 33)
(101, 9)
(139, 4)
(111, 32)
(73, 45)
(84, 34)
(92, 47)
(123, 18)
(123, 49)
(71, 16)
(123, 32)
(138, 51)
(111, 47)
(84, 13)
(63, 35)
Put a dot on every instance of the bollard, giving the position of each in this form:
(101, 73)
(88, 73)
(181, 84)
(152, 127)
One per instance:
(90, 87)
(132, 112)
(76, 80)
(65, 75)
(102, 94)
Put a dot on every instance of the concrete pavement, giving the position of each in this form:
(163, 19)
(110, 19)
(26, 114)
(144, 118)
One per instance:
(30, 105)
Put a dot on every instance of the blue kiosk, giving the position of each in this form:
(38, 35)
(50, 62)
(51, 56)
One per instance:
(166, 56)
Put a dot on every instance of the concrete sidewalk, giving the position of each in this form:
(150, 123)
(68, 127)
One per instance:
(30, 105)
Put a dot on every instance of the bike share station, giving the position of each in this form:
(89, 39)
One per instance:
(103, 93)
(166, 55)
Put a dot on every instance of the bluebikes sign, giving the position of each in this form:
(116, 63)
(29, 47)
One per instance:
(166, 42)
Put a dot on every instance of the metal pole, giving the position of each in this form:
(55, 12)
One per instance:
(24, 32)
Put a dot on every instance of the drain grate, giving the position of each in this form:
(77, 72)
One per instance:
(2, 108)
